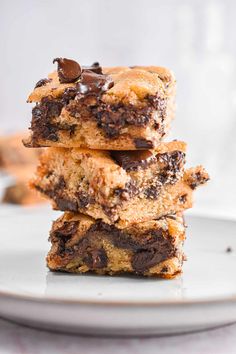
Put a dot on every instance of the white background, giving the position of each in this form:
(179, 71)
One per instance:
(197, 39)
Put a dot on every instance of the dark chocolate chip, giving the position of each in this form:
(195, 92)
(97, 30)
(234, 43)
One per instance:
(164, 270)
(152, 192)
(132, 160)
(68, 70)
(42, 82)
(183, 198)
(96, 258)
(141, 143)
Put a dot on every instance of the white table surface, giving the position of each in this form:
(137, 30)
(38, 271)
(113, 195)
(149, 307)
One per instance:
(17, 339)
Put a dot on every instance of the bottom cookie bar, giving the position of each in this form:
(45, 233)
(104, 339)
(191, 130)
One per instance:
(81, 244)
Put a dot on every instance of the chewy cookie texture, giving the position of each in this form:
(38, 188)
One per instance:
(119, 108)
(123, 189)
(111, 185)
(81, 244)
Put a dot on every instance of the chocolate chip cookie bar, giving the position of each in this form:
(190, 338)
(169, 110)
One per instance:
(119, 108)
(81, 244)
(119, 186)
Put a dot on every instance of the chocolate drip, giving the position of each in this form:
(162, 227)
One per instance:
(141, 143)
(91, 82)
(132, 160)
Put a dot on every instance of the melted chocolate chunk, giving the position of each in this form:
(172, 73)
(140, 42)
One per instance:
(65, 204)
(148, 257)
(149, 248)
(67, 230)
(113, 118)
(95, 67)
(145, 259)
(84, 100)
(119, 238)
(42, 82)
(42, 114)
(64, 234)
(68, 70)
(141, 143)
(91, 82)
(132, 160)
(155, 242)
(96, 258)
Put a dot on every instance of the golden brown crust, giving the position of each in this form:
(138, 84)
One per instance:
(131, 85)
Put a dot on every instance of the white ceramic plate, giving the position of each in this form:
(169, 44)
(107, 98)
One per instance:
(205, 296)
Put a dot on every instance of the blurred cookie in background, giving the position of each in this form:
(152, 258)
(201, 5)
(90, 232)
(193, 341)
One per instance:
(17, 165)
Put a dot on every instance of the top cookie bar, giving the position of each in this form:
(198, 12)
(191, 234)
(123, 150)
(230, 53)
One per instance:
(119, 108)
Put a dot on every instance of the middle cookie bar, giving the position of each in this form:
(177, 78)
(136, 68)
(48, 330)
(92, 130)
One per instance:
(119, 187)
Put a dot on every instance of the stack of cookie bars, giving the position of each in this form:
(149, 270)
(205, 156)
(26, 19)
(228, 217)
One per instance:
(122, 189)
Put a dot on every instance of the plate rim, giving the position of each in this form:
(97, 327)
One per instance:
(53, 300)
(66, 301)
